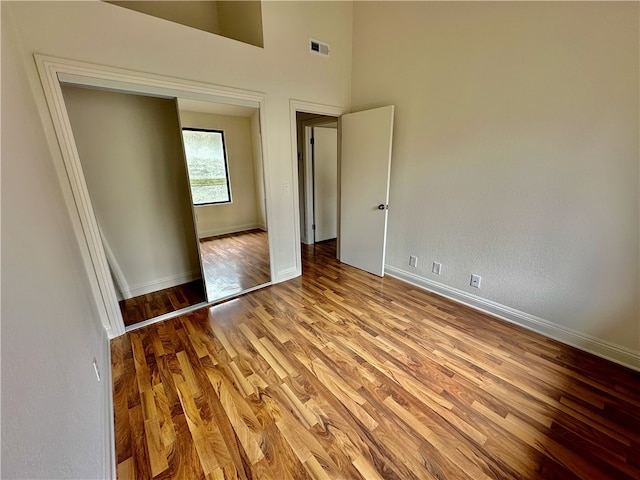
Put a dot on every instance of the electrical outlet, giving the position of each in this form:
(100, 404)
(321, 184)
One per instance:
(413, 261)
(437, 267)
(95, 367)
(475, 281)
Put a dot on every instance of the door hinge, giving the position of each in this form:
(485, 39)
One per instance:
(313, 227)
(313, 141)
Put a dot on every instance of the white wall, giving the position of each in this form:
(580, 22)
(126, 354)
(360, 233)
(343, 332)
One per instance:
(238, 20)
(51, 404)
(241, 20)
(284, 69)
(132, 158)
(196, 14)
(241, 214)
(515, 157)
(53, 408)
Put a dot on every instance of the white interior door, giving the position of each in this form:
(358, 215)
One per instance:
(364, 187)
(325, 182)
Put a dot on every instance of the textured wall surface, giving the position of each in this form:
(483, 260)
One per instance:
(515, 152)
(52, 406)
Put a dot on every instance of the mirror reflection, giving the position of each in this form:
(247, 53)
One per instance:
(224, 162)
(175, 235)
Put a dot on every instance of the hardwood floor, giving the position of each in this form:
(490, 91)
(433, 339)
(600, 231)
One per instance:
(343, 375)
(232, 263)
(154, 304)
(235, 262)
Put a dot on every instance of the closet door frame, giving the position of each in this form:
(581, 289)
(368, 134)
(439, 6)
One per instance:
(55, 72)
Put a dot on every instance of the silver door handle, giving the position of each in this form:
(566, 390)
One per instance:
(382, 206)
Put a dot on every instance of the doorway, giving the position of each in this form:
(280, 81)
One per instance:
(317, 140)
(362, 176)
(324, 163)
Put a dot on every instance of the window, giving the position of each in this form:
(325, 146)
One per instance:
(207, 166)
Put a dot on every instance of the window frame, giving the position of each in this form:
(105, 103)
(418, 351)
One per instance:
(226, 165)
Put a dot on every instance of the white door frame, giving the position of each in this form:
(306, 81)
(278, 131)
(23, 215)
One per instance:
(305, 107)
(55, 72)
(307, 161)
(325, 228)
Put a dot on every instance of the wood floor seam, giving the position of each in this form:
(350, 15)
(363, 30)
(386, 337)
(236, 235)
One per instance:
(340, 374)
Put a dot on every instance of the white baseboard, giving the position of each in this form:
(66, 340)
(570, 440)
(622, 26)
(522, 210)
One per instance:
(109, 426)
(214, 232)
(602, 348)
(119, 280)
(166, 282)
(288, 274)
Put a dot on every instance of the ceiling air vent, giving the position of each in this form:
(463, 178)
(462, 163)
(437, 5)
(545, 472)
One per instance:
(318, 47)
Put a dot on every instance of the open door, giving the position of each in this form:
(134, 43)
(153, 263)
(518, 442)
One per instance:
(325, 182)
(364, 187)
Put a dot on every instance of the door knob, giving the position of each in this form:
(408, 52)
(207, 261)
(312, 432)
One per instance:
(382, 206)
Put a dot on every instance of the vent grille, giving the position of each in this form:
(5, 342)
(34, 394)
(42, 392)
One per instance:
(319, 48)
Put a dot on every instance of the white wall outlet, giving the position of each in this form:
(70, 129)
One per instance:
(437, 267)
(475, 281)
(413, 261)
(95, 367)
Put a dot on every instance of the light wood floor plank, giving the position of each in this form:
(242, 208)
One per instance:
(340, 374)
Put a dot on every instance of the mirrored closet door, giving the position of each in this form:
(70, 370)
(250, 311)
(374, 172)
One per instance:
(226, 178)
(162, 257)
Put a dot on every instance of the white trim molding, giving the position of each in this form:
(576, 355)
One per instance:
(110, 468)
(214, 232)
(306, 107)
(288, 274)
(120, 282)
(162, 283)
(610, 351)
(96, 265)
(55, 72)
